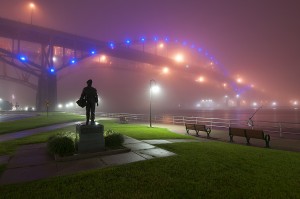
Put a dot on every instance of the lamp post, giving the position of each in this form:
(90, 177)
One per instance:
(32, 6)
(153, 88)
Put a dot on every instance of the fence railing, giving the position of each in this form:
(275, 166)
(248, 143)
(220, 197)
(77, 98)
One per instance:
(279, 129)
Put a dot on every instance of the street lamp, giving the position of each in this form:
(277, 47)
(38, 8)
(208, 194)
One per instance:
(31, 6)
(153, 88)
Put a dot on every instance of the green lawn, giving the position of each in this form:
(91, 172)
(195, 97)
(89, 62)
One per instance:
(38, 121)
(200, 170)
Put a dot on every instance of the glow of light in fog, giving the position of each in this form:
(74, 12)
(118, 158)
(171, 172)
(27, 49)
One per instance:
(31, 5)
(155, 89)
(237, 95)
(59, 105)
(295, 103)
(103, 59)
(254, 104)
(165, 70)
(161, 45)
(200, 79)
(274, 103)
(179, 58)
(239, 80)
(224, 85)
(54, 59)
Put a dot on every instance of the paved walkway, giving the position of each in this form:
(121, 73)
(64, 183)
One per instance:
(25, 133)
(32, 162)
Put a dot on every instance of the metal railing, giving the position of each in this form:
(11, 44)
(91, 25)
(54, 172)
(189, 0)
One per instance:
(278, 129)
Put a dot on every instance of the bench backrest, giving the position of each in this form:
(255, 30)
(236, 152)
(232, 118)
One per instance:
(252, 133)
(236, 131)
(200, 127)
(190, 126)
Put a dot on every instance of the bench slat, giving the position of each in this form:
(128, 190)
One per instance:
(258, 134)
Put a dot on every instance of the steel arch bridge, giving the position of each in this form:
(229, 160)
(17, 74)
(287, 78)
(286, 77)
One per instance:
(31, 49)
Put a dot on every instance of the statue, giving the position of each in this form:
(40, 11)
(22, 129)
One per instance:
(90, 97)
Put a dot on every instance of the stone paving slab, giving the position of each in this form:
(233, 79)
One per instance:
(123, 158)
(157, 152)
(30, 157)
(70, 167)
(138, 146)
(157, 141)
(128, 140)
(24, 174)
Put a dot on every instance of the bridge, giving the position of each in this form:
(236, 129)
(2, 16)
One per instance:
(31, 49)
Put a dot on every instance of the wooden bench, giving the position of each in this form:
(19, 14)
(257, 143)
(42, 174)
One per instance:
(123, 120)
(197, 128)
(248, 134)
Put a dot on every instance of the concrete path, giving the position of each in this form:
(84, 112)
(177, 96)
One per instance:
(25, 133)
(32, 162)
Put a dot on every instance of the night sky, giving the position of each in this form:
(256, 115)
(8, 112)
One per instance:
(256, 39)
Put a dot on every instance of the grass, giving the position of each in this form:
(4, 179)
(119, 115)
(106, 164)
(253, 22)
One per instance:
(200, 170)
(142, 132)
(9, 147)
(38, 121)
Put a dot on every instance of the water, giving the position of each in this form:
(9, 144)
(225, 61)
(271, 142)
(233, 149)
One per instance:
(270, 115)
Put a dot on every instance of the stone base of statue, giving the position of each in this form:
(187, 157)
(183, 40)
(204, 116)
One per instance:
(90, 138)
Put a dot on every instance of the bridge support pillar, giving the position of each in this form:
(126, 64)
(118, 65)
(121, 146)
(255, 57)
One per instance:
(46, 92)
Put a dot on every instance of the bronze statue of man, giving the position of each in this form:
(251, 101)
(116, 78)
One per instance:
(89, 94)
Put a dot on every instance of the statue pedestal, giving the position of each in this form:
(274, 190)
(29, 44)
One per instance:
(91, 138)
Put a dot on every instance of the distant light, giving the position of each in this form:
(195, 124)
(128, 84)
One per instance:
(0, 99)
(198, 105)
(226, 96)
(184, 43)
(200, 50)
(254, 104)
(22, 58)
(59, 105)
(155, 89)
(52, 70)
(237, 95)
(179, 58)
(165, 70)
(167, 39)
(193, 46)
(155, 38)
(239, 80)
(200, 79)
(224, 85)
(103, 59)
(26, 108)
(274, 104)
(54, 59)
(161, 45)
(31, 5)
(142, 39)
(252, 85)
(111, 45)
(93, 52)
(128, 41)
(73, 61)
(295, 103)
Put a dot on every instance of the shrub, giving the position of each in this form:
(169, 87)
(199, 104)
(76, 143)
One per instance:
(113, 139)
(62, 144)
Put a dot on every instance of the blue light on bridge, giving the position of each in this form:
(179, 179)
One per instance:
(22, 58)
(127, 41)
(142, 39)
(52, 70)
(111, 45)
(93, 52)
(167, 39)
(73, 61)
(155, 38)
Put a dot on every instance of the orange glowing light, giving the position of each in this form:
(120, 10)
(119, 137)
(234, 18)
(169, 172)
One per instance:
(161, 45)
(200, 79)
(165, 70)
(239, 80)
(224, 85)
(103, 59)
(179, 57)
(31, 5)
